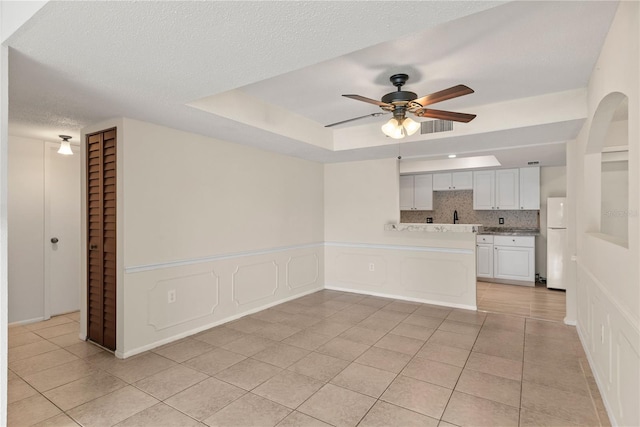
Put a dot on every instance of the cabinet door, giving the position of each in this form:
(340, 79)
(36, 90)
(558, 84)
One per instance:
(423, 192)
(406, 192)
(462, 180)
(514, 263)
(530, 188)
(484, 260)
(483, 190)
(507, 189)
(442, 182)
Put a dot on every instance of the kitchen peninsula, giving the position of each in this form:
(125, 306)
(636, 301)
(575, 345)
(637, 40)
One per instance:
(428, 263)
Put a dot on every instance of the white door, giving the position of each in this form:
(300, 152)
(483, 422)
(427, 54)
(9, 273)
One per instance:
(530, 188)
(507, 189)
(484, 260)
(483, 190)
(462, 180)
(62, 222)
(423, 192)
(406, 192)
(442, 182)
(514, 263)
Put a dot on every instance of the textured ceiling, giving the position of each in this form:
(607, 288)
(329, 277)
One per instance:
(76, 63)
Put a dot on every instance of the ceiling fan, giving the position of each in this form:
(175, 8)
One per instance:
(400, 102)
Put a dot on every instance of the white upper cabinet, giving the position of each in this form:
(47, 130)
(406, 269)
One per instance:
(484, 190)
(452, 181)
(462, 180)
(406, 192)
(507, 189)
(416, 192)
(530, 188)
(441, 181)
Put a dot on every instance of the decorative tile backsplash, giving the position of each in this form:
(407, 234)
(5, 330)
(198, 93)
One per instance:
(445, 202)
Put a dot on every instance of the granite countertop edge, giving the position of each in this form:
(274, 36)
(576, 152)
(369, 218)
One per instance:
(509, 231)
(462, 228)
(434, 228)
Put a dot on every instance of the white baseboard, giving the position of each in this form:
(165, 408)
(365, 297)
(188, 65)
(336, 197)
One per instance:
(570, 322)
(599, 382)
(26, 322)
(401, 297)
(142, 349)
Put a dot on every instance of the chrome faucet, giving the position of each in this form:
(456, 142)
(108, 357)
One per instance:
(455, 217)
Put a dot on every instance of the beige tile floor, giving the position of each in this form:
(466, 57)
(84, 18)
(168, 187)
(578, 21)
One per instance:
(329, 358)
(537, 302)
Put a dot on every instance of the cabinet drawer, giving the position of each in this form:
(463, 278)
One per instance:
(522, 241)
(484, 238)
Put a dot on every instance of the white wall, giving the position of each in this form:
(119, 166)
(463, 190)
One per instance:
(607, 294)
(360, 198)
(26, 229)
(232, 229)
(553, 183)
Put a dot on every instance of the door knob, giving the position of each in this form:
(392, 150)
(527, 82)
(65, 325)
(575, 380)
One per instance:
(54, 240)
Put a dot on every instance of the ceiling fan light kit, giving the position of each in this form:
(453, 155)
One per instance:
(399, 128)
(400, 102)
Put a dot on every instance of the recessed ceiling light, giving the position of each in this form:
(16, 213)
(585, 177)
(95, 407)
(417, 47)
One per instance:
(452, 156)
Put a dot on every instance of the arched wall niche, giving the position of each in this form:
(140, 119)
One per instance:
(608, 143)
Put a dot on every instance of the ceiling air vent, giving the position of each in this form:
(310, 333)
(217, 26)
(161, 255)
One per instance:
(434, 126)
(534, 163)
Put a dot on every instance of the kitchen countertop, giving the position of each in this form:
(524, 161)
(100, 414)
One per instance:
(434, 228)
(509, 231)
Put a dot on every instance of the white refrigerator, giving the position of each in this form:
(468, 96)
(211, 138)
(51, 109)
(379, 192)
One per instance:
(556, 242)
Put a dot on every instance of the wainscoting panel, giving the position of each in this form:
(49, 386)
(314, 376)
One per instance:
(302, 270)
(434, 276)
(611, 339)
(211, 291)
(361, 269)
(197, 296)
(253, 282)
(416, 273)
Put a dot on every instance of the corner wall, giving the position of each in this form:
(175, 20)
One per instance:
(607, 290)
(230, 229)
(26, 229)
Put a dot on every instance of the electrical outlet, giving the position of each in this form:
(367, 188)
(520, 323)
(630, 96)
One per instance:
(501, 220)
(171, 296)
(372, 267)
(429, 220)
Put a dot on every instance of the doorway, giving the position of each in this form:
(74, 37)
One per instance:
(61, 231)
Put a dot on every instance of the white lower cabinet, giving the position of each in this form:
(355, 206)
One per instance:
(508, 258)
(484, 260)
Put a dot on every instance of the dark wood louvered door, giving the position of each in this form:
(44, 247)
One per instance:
(101, 238)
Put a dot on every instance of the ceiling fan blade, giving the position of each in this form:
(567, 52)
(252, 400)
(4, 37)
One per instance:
(369, 100)
(445, 115)
(355, 118)
(443, 95)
